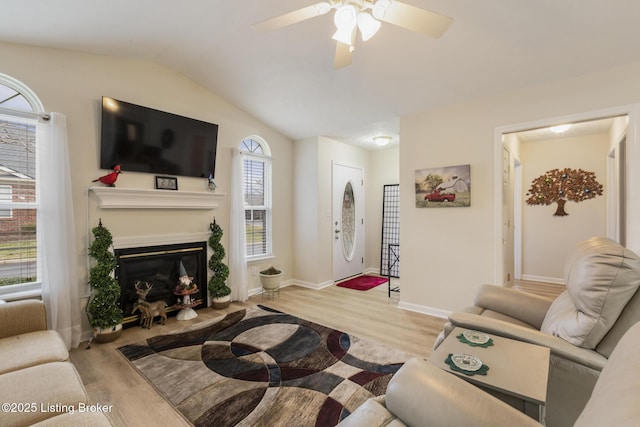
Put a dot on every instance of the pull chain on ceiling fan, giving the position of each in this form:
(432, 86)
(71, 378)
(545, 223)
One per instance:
(364, 16)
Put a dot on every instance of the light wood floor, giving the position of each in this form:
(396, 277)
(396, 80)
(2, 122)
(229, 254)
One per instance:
(110, 379)
(547, 290)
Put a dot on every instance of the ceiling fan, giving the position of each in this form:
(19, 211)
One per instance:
(352, 16)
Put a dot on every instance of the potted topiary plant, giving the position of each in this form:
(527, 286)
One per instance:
(105, 315)
(218, 289)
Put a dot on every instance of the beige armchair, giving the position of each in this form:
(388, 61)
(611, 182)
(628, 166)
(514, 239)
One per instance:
(581, 327)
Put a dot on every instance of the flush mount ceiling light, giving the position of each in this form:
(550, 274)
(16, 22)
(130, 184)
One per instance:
(560, 128)
(381, 141)
(364, 16)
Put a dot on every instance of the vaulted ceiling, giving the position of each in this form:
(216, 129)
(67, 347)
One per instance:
(286, 77)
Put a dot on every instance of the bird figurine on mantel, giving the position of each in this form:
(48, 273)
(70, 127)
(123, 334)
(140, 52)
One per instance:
(110, 178)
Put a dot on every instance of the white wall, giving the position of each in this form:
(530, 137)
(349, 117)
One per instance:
(443, 249)
(549, 239)
(73, 83)
(447, 253)
(616, 166)
(306, 251)
(383, 170)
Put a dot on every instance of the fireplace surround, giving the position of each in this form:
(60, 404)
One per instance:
(162, 274)
(160, 266)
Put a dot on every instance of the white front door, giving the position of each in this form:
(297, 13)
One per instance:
(347, 222)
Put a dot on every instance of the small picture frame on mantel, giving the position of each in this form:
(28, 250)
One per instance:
(166, 183)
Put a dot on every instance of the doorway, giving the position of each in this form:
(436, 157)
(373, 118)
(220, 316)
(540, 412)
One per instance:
(347, 221)
(510, 189)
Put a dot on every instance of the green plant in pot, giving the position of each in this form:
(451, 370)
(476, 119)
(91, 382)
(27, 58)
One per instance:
(271, 278)
(217, 286)
(105, 315)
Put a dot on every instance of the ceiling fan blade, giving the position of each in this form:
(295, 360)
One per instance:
(416, 19)
(343, 56)
(287, 19)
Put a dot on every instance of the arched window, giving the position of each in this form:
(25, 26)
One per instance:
(257, 197)
(19, 110)
(17, 99)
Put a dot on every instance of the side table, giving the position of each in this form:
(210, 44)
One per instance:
(518, 371)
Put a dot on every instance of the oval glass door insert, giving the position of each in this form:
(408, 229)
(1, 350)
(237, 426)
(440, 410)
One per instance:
(348, 222)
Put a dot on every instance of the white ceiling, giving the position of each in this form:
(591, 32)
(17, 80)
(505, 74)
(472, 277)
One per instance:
(286, 79)
(589, 127)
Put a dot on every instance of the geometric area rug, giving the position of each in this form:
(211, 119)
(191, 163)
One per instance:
(262, 367)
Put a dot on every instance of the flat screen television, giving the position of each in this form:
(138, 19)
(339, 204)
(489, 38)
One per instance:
(142, 139)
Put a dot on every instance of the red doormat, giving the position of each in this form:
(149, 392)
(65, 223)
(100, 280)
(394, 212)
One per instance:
(362, 283)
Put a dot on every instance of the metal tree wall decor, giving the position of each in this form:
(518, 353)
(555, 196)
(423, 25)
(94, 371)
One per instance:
(561, 185)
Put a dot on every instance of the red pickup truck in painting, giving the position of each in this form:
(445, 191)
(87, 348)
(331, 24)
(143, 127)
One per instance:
(437, 196)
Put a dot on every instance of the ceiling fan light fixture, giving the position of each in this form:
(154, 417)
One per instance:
(367, 25)
(344, 36)
(346, 18)
(379, 8)
(366, 16)
(323, 7)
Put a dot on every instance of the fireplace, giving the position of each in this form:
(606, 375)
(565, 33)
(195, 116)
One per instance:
(160, 267)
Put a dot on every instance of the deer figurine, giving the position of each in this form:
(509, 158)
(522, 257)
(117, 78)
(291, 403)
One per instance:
(148, 310)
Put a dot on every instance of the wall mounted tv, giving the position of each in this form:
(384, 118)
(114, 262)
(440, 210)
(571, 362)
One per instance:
(142, 139)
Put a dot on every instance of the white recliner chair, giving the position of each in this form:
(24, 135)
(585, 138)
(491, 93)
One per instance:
(581, 327)
(420, 394)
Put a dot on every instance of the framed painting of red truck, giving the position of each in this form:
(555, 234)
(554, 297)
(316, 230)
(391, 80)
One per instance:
(448, 186)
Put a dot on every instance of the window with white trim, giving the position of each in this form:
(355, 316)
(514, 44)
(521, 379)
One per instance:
(6, 196)
(257, 197)
(18, 174)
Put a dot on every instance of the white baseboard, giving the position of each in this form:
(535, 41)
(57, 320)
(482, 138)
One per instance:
(85, 336)
(533, 278)
(284, 284)
(255, 291)
(431, 311)
(310, 285)
(290, 282)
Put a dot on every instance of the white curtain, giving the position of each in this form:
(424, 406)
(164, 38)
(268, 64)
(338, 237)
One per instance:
(60, 284)
(237, 249)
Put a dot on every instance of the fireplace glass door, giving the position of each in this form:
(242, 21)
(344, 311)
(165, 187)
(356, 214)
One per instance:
(159, 268)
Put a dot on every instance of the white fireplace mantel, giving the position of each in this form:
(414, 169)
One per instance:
(135, 198)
